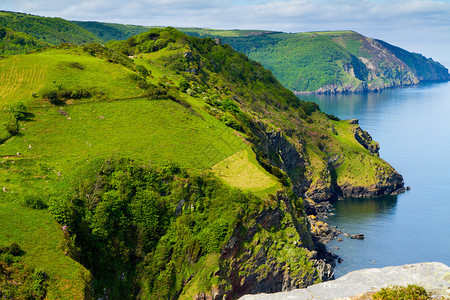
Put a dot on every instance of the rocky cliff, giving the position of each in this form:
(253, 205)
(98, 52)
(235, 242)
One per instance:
(434, 277)
(337, 61)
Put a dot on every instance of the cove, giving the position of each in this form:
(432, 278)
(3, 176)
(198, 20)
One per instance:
(412, 126)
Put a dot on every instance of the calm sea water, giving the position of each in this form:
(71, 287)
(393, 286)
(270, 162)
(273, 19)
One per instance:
(412, 126)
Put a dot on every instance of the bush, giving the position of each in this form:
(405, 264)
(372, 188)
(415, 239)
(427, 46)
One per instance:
(143, 70)
(8, 258)
(19, 111)
(156, 92)
(13, 249)
(280, 174)
(144, 85)
(231, 121)
(34, 201)
(12, 125)
(411, 291)
(76, 65)
(184, 85)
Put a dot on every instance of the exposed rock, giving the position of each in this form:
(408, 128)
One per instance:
(192, 70)
(364, 138)
(179, 207)
(188, 55)
(258, 267)
(340, 240)
(353, 121)
(63, 113)
(359, 236)
(282, 154)
(434, 277)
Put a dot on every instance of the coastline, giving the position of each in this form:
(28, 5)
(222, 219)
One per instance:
(343, 90)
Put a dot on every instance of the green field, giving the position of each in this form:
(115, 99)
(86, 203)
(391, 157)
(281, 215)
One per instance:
(242, 171)
(41, 238)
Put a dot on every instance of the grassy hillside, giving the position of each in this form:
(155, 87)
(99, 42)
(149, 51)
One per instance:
(49, 30)
(172, 166)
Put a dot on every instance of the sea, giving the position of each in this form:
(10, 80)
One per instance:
(412, 126)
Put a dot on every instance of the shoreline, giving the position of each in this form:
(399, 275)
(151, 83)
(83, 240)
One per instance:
(365, 91)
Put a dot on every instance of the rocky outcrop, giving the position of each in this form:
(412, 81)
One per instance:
(434, 277)
(364, 138)
(274, 146)
(388, 184)
(257, 261)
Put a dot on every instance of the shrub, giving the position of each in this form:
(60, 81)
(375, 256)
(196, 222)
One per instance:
(8, 258)
(143, 70)
(19, 111)
(76, 65)
(184, 85)
(12, 125)
(333, 117)
(231, 121)
(280, 174)
(144, 85)
(14, 249)
(411, 291)
(38, 285)
(34, 201)
(156, 92)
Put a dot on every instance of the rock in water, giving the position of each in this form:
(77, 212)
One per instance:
(357, 236)
(434, 277)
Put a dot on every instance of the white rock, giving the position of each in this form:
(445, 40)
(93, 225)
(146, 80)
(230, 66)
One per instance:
(434, 277)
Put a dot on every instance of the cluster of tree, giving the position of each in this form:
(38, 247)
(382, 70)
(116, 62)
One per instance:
(110, 31)
(13, 42)
(142, 229)
(50, 30)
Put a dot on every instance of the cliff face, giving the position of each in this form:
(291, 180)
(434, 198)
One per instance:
(432, 276)
(337, 62)
(259, 261)
(384, 66)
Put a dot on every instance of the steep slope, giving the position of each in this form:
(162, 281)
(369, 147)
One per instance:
(333, 62)
(132, 149)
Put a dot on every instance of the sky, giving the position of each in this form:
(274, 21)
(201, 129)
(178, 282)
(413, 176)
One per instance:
(417, 26)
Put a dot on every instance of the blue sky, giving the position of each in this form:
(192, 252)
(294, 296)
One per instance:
(418, 26)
